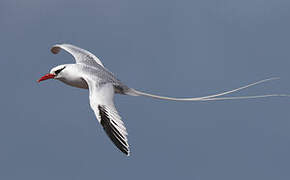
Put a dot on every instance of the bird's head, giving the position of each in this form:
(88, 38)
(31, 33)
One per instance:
(55, 73)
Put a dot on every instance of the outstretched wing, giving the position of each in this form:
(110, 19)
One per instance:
(102, 103)
(81, 56)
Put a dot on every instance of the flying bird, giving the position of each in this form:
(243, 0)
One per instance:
(89, 73)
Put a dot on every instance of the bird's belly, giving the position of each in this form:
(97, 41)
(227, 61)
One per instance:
(78, 82)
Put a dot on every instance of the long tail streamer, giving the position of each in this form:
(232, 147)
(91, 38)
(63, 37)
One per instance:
(214, 97)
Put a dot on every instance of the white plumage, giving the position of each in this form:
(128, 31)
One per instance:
(89, 73)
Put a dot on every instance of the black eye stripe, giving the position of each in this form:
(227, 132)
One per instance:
(59, 70)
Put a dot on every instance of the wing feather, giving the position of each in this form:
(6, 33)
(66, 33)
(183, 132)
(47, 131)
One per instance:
(81, 56)
(102, 103)
(114, 134)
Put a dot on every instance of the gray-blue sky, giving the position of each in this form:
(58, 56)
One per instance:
(176, 48)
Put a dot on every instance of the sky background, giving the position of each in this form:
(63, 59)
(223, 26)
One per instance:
(174, 48)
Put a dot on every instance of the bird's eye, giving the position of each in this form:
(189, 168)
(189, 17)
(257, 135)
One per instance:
(59, 70)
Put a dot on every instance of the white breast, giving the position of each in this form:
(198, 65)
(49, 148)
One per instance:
(72, 76)
(76, 82)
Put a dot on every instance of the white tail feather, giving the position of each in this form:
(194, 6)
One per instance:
(213, 97)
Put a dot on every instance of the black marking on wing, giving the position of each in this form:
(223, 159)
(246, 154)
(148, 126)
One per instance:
(112, 132)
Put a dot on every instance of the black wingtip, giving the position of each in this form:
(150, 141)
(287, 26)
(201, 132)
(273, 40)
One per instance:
(116, 137)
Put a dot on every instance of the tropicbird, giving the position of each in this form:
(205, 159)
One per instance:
(89, 73)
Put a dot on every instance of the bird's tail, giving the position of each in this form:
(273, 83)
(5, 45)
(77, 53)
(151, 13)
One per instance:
(213, 97)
